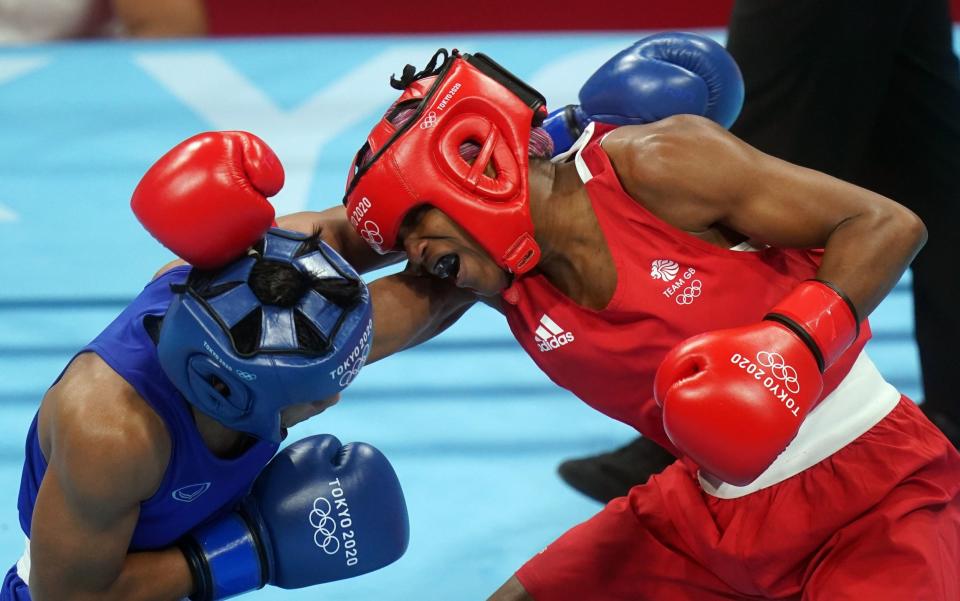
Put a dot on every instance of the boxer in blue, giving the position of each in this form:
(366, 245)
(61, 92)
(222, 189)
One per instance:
(139, 464)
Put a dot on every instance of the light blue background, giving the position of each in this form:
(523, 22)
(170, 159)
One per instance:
(473, 428)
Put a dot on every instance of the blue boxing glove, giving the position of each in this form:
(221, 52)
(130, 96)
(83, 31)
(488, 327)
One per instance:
(659, 76)
(318, 512)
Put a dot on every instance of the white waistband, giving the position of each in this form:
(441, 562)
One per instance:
(23, 564)
(862, 399)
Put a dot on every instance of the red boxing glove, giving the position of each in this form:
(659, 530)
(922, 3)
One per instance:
(734, 399)
(206, 199)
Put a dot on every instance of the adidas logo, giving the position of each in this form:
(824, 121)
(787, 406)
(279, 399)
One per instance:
(550, 336)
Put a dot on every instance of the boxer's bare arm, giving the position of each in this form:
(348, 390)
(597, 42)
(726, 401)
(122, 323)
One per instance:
(695, 175)
(336, 231)
(105, 455)
(409, 309)
(168, 267)
(511, 590)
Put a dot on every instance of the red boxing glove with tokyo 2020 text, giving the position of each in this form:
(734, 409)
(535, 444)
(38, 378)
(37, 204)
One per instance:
(734, 399)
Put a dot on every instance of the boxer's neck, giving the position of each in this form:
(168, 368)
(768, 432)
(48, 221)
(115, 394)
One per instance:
(222, 441)
(574, 256)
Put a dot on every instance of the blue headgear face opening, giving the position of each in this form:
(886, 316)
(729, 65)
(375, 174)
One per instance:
(197, 346)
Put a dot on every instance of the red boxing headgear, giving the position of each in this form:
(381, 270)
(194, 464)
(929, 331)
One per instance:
(470, 98)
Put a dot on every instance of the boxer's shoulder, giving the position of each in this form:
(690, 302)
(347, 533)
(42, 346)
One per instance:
(649, 144)
(94, 423)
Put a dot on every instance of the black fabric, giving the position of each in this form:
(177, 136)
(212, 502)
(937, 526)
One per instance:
(199, 569)
(521, 89)
(868, 91)
(610, 475)
(152, 323)
(410, 73)
(802, 334)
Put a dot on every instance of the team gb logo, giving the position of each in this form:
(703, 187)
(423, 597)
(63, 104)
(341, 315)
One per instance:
(664, 269)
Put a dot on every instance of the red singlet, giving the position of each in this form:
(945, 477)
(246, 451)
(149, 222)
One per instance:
(863, 504)
(670, 285)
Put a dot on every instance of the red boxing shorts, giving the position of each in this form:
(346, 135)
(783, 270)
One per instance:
(877, 520)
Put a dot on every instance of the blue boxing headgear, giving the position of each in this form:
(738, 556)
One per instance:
(197, 346)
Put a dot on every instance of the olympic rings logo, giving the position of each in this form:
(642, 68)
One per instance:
(347, 378)
(429, 121)
(780, 370)
(690, 293)
(324, 526)
(249, 377)
(371, 233)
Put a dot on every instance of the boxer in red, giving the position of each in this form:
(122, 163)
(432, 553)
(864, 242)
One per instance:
(670, 276)
(661, 273)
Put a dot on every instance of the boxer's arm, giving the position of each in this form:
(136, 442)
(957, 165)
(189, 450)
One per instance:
(168, 267)
(409, 309)
(336, 231)
(101, 466)
(695, 175)
(512, 590)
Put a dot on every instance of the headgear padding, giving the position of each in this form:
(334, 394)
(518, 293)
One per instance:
(469, 98)
(197, 346)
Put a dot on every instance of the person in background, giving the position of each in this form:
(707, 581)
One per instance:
(34, 21)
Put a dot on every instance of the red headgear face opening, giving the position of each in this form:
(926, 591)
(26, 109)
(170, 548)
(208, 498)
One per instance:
(469, 98)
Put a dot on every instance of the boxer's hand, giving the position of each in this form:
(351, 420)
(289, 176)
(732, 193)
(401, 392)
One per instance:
(206, 199)
(318, 512)
(659, 76)
(734, 399)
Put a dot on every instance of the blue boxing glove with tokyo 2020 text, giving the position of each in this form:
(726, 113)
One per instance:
(318, 512)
